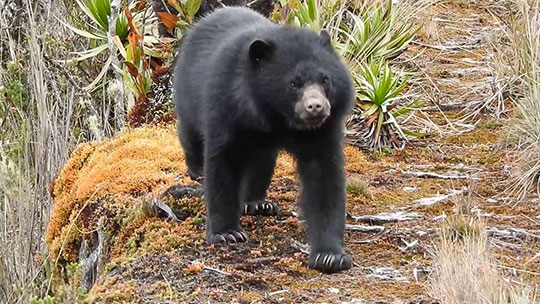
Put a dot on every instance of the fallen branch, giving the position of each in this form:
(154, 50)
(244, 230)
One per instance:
(502, 244)
(92, 258)
(440, 176)
(430, 201)
(363, 228)
(361, 242)
(417, 271)
(408, 245)
(160, 205)
(451, 107)
(399, 216)
(304, 248)
(216, 270)
(454, 48)
(386, 274)
(275, 293)
(512, 233)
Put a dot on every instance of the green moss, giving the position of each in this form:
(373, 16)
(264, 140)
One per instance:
(123, 292)
(384, 152)
(15, 92)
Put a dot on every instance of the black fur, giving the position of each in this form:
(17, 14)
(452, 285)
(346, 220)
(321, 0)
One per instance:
(237, 82)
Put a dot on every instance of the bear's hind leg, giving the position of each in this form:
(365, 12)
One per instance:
(256, 179)
(192, 145)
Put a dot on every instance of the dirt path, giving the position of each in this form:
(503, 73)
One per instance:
(391, 251)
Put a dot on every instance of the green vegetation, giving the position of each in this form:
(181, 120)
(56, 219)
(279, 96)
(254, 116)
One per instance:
(144, 56)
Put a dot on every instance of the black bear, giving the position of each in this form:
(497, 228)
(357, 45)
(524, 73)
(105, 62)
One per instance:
(246, 88)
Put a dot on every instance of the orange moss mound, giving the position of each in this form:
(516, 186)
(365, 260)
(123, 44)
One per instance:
(135, 163)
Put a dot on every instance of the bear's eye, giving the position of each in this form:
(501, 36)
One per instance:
(293, 85)
(325, 80)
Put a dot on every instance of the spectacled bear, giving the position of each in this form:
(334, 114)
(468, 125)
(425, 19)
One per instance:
(246, 88)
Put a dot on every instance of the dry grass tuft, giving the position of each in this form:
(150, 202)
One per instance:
(37, 129)
(524, 37)
(357, 187)
(465, 270)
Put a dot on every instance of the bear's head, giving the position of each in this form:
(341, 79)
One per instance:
(296, 74)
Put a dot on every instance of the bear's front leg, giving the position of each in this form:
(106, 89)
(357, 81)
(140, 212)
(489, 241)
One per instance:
(323, 198)
(222, 177)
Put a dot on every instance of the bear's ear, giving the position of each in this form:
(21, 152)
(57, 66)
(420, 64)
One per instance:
(259, 50)
(324, 37)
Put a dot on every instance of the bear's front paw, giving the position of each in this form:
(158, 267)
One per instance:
(329, 262)
(195, 176)
(260, 208)
(230, 237)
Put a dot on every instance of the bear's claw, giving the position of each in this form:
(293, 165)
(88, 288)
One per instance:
(228, 238)
(328, 262)
(260, 208)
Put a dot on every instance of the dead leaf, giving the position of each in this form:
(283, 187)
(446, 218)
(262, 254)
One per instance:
(167, 40)
(194, 267)
(141, 5)
(134, 37)
(132, 28)
(168, 20)
(132, 69)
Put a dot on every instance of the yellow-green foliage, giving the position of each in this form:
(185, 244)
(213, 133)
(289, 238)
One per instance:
(155, 235)
(123, 292)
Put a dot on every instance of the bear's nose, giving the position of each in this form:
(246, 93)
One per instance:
(314, 106)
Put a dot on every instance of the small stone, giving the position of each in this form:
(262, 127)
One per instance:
(410, 189)
(421, 233)
(440, 217)
(333, 290)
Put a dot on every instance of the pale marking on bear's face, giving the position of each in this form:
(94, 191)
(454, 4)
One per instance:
(313, 108)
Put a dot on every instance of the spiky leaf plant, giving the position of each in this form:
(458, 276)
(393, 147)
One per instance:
(306, 14)
(367, 40)
(373, 31)
(374, 34)
(184, 19)
(378, 95)
(98, 11)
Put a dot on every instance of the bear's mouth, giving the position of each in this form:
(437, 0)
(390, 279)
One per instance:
(310, 123)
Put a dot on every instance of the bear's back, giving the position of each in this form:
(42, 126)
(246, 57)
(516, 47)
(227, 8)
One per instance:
(216, 29)
(199, 52)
